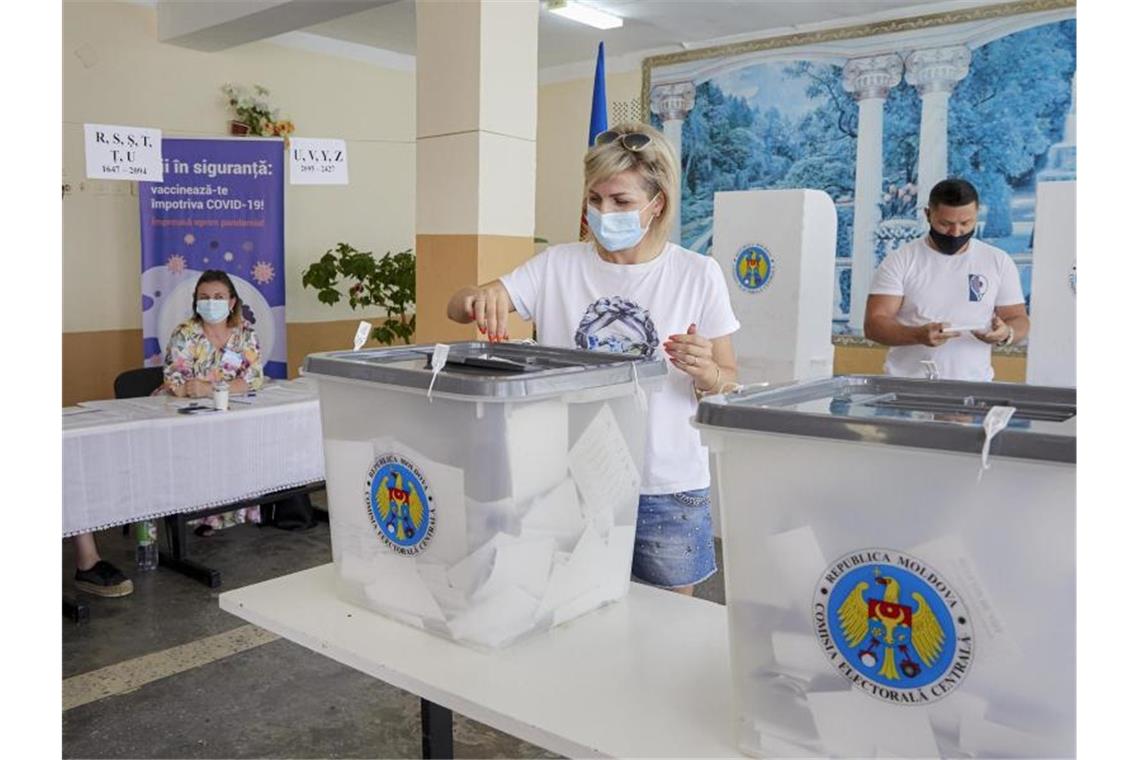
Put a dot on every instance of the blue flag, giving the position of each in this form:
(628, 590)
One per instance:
(598, 123)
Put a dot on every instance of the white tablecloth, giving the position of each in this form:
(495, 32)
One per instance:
(135, 459)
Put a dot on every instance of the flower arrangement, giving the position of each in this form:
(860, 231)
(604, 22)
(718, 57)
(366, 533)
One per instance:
(900, 202)
(254, 114)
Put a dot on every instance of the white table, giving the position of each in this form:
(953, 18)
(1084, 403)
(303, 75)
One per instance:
(645, 677)
(127, 460)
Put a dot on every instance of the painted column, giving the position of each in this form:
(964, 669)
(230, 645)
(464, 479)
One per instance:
(672, 103)
(870, 80)
(476, 122)
(934, 72)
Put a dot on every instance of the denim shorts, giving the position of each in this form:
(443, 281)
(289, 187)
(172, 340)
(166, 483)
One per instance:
(673, 546)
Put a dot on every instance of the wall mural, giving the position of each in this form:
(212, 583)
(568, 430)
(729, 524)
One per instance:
(875, 115)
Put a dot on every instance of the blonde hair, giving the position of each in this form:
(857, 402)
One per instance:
(657, 166)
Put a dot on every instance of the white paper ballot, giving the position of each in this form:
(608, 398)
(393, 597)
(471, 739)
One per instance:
(584, 572)
(496, 620)
(556, 514)
(981, 738)
(397, 587)
(524, 565)
(485, 519)
(947, 715)
(799, 655)
(603, 468)
(798, 561)
(346, 474)
(591, 600)
(857, 725)
(448, 543)
(472, 570)
(967, 328)
(536, 445)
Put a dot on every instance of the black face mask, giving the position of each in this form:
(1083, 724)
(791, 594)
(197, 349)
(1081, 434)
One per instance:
(949, 244)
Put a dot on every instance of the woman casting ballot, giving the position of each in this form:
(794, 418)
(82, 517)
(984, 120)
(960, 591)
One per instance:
(627, 289)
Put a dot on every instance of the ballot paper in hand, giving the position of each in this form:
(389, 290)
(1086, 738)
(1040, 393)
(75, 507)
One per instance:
(604, 469)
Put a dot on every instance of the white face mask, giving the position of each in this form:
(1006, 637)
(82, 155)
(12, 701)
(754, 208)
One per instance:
(213, 310)
(617, 230)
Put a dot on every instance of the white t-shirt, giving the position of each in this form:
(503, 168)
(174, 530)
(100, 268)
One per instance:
(963, 289)
(579, 300)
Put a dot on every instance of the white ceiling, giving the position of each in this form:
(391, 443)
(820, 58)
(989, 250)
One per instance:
(650, 25)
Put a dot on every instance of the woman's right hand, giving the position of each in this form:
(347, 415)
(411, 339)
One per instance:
(488, 306)
(198, 388)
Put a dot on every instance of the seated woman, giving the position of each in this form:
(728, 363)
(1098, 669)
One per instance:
(215, 344)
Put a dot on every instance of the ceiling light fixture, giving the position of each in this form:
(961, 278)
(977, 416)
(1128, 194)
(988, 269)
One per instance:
(584, 14)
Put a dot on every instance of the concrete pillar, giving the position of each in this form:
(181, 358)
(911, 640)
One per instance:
(672, 103)
(870, 80)
(476, 121)
(934, 72)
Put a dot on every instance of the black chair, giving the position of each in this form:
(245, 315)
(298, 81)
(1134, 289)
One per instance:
(138, 382)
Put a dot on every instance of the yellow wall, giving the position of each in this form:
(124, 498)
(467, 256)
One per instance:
(135, 80)
(138, 81)
(563, 127)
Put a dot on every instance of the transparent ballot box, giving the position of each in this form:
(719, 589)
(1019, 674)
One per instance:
(492, 497)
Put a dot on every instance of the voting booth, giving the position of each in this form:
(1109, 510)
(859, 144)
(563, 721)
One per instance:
(899, 567)
(777, 251)
(1052, 355)
(487, 494)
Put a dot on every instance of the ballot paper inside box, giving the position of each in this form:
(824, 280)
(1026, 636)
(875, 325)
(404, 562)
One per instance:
(499, 506)
(887, 595)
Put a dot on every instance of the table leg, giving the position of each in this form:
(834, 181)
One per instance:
(435, 724)
(75, 610)
(176, 560)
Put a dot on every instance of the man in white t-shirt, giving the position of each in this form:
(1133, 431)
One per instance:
(942, 302)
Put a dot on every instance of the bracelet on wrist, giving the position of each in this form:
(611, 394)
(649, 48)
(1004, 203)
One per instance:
(711, 390)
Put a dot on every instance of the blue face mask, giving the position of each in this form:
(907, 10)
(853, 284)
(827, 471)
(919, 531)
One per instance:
(617, 230)
(213, 310)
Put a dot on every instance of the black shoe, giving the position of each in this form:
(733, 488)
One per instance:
(103, 579)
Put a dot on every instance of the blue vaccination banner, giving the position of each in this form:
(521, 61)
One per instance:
(221, 206)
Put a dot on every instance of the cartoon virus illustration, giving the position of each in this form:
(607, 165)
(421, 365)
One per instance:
(189, 239)
(176, 264)
(228, 256)
(262, 272)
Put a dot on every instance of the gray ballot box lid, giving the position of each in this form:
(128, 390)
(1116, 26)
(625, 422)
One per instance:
(893, 411)
(484, 370)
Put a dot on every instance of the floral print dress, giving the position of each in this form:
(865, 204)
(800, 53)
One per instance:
(190, 355)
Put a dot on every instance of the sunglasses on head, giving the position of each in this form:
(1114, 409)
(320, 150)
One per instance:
(631, 141)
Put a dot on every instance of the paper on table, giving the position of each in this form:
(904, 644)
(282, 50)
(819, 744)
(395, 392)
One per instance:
(496, 620)
(579, 605)
(536, 445)
(448, 543)
(525, 564)
(603, 468)
(584, 572)
(859, 725)
(556, 514)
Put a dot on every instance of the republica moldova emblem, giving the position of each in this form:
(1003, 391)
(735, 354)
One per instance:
(893, 626)
(754, 267)
(400, 504)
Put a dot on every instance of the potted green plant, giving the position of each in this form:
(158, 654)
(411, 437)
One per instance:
(388, 282)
